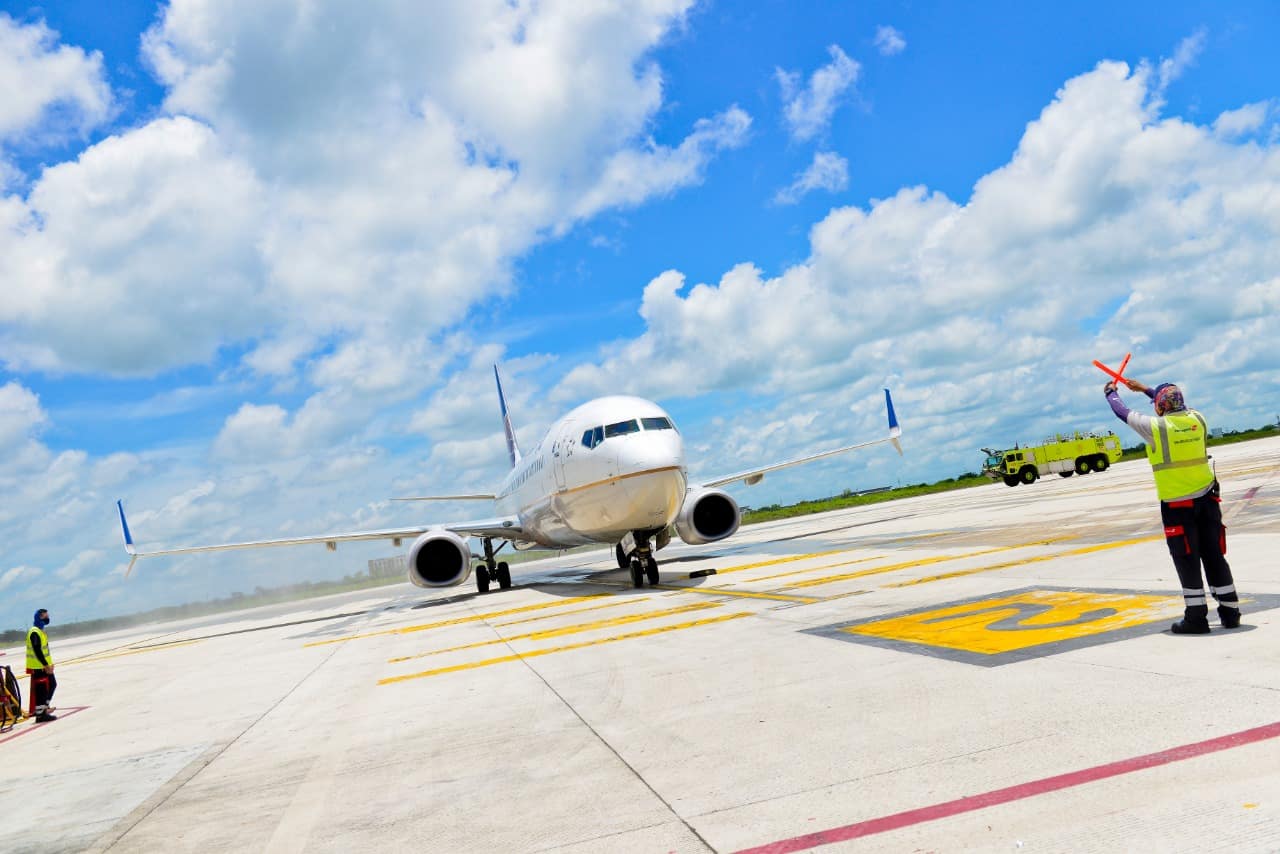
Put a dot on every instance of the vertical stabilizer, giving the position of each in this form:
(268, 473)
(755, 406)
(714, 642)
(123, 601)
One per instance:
(513, 450)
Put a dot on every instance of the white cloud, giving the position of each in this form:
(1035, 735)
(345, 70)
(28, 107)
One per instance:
(10, 577)
(141, 253)
(632, 176)
(974, 309)
(889, 41)
(339, 181)
(828, 171)
(48, 88)
(1244, 120)
(808, 109)
(1187, 52)
(20, 416)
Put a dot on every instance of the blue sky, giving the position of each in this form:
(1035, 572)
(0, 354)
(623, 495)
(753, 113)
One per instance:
(256, 258)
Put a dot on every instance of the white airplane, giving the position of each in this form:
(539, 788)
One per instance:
(611, 471)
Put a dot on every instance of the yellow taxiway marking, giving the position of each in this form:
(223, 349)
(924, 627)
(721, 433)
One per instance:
(404, 630)
(910, 564)
(567, 630)
(96, 657)
(566, 648)
(1084, 550)
(626, 601)
(778, 560)
(817, 568)
(1021, 620)
(745, 594)
(717, 591)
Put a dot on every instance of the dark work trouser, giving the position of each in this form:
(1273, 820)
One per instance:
(1195, 534)
(43, 684)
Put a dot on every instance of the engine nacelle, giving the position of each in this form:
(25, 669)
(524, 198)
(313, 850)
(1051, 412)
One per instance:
(707, 515)
(439, 559)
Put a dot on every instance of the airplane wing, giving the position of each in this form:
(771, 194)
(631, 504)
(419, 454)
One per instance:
(755, 475)
(486, 496)
(504, 527)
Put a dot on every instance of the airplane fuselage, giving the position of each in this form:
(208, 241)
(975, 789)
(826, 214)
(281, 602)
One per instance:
(612, 466)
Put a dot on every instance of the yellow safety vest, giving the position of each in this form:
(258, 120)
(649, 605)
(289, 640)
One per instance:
(1179, 454)
(33, 663)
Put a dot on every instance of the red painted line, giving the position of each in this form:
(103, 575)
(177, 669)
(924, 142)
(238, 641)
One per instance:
(1251, 492)
(62, 714)
(1015, 793)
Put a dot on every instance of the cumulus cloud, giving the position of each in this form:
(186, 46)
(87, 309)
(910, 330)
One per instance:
(48, 88)
(889, 41)
(1110, 229)
(1242, 121)
(20, 415)
(808, 108)
(828, 171)
(332, 181)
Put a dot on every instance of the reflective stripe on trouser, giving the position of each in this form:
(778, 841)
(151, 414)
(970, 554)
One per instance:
(1195, 536)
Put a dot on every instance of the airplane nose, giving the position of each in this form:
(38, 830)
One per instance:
(650, 451)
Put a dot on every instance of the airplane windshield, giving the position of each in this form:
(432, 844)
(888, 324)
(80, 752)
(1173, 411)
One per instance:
(656, 424)
(621, 428)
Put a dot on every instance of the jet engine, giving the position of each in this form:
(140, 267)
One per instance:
(707, 515)
(439, 559)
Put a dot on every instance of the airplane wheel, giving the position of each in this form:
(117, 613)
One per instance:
(651, 570)
(623, 563)
(482, 579)
(504, 576)
(637, 574)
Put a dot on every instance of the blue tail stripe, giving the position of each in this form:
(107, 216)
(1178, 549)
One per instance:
(513, 450)
(888, 402)
(124, 526)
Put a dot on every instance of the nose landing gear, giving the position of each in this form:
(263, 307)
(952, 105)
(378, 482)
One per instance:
(639, 560)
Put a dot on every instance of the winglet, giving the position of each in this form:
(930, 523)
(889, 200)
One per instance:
(513, 450)
(124, 529)
(894, 430)
(128, 539)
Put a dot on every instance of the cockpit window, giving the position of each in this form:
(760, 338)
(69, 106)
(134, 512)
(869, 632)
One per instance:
(593, 437)
(621, 428)
(656, 424)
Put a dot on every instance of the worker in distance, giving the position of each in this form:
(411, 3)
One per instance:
(40, 666)
(1177, 448)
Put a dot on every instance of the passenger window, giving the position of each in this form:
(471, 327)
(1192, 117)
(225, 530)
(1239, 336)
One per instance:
(622, 428)
(656, 424)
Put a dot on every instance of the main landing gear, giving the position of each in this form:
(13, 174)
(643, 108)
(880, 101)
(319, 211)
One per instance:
(641, 562)
(491, 570)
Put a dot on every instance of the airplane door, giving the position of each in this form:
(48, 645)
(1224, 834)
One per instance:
(561, 451)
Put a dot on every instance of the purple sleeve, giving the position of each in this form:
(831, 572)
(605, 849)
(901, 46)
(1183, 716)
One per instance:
(1117, 406)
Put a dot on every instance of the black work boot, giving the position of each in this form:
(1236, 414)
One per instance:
(1230, 617)
(45, 717)
(1189, 626)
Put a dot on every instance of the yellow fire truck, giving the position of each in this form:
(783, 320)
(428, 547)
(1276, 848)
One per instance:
(1061, 455)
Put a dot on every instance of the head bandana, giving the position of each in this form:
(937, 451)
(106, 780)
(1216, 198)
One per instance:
(38, 621)
(1168, 399)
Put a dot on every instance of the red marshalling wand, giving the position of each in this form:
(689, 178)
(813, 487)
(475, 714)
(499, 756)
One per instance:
(1118, 376)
